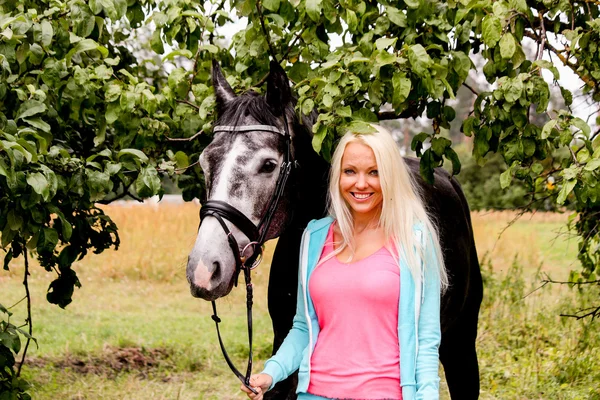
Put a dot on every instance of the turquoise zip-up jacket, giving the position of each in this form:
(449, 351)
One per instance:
(419, 332)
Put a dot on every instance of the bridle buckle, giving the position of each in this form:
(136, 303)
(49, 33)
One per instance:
(258, 258)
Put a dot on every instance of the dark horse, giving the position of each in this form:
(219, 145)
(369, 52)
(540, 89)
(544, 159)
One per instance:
(241, 169)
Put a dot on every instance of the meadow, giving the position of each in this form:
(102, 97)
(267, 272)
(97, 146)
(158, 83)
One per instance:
(133, 330)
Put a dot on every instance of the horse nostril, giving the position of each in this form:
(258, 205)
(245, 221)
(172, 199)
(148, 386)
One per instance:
(216, 271)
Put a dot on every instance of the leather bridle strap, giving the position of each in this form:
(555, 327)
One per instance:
(255, 234)
(233, 215)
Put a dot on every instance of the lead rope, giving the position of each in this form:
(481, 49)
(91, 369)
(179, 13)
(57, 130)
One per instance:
(266, 222)
(249, 294)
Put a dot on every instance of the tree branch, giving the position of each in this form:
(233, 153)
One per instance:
(185, 139)
(563, 59)
(29, 321)
(189, 103)
(594, 313)
(543, 37)
(470, 88)
(264, 29)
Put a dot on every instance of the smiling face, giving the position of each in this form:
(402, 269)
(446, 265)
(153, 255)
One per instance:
(359, 181)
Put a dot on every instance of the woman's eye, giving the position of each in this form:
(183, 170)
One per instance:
(374, 173)
(268, 167)
(348, 172)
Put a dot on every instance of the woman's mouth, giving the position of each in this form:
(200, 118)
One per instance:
(361, 196)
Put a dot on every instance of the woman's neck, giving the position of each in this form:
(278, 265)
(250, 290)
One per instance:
(364, 223)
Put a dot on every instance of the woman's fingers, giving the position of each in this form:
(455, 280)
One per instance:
(261, 380)
(251, 395)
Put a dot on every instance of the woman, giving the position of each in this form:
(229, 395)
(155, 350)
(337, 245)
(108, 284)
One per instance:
(367, 322)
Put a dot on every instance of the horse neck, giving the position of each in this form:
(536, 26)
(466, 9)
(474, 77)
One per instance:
(311, 181)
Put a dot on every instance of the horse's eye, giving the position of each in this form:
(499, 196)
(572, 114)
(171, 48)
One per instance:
(268, 167)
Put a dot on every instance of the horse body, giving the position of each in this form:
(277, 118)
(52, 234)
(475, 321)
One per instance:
(237, 171)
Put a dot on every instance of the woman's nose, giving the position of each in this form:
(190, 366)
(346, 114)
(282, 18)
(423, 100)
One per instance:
(361, 181)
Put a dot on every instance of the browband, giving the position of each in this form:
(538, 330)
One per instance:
(246, 128)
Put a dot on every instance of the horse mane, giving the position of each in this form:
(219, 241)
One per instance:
(249, 104)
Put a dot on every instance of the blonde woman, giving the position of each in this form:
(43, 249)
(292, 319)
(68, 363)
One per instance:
(367, 322)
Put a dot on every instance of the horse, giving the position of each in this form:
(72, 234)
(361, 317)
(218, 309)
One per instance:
(241, 169)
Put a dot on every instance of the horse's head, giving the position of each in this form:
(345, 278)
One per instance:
(241, 169)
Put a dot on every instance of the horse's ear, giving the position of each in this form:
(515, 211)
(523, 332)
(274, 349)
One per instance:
(223, 92)
(279, 94)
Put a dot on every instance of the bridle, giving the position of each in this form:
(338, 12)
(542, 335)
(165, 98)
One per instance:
(256, 234)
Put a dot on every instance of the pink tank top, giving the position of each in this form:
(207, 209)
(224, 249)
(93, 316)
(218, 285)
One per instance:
(356, 355)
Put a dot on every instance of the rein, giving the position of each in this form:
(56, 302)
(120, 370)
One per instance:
(256, 234)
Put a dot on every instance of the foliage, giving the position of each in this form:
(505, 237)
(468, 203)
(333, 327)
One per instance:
(482, 188)
(481, 185)
(82, 120)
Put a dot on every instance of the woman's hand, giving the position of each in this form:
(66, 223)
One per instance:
(260, 382)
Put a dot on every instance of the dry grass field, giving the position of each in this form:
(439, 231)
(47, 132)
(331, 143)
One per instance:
(134, 332)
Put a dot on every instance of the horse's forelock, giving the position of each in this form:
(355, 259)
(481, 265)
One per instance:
(248, 105)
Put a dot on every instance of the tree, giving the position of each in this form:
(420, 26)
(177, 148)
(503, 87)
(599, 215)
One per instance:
(84, 119)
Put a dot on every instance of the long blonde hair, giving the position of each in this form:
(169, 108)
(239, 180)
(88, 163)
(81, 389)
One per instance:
(402, 206)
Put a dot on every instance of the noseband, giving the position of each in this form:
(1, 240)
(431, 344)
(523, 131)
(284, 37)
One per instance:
(256, 234)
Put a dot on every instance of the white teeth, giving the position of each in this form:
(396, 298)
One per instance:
(361, 195)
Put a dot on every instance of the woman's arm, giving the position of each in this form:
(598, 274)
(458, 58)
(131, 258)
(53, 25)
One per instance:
(429, 334)
(288, 357)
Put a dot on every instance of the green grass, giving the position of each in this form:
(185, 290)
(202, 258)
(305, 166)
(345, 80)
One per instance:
(138, 298)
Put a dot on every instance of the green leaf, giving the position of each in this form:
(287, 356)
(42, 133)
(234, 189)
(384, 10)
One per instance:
(29, 108)
(181, 159)
(547, 129)
(39, 183)
(491, 30)
(313, 9)
(396, 16)
(85, 45)
(592, 165)
(318, 137)
(506, 178)
(147, 183)
(178, 53)
(412, 3)
(156, 42)
(581, 125)
(417, 142)
(211, 48)
(15, 221)
(419, 60)
(426, 167)
(272, 5)
(453, 157)
(133, 153)
(351, 20)
(508, 45)
(345, 111)
(4, 309)
(383, 43)
(47, 33)
(307, 106)
(402, 86)
(365, 115)
(38, 123)
(299, 71)
(149, 102)
(384, 58)
(566, 190)
(95, 6)
(439, 145)
(360, 127)
(469, 125)
(113, 91)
